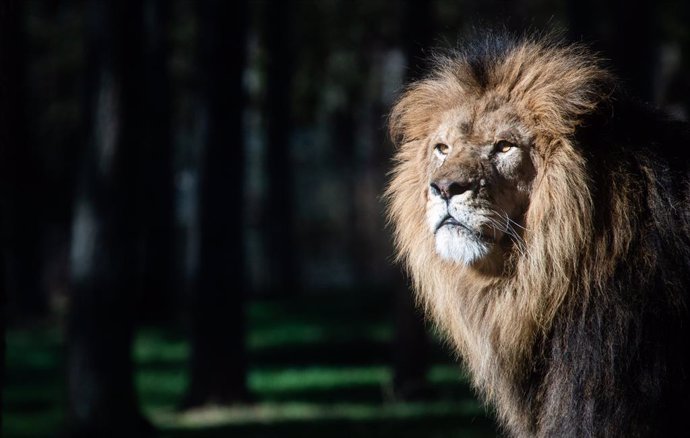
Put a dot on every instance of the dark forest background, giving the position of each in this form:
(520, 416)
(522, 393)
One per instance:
(193, 242)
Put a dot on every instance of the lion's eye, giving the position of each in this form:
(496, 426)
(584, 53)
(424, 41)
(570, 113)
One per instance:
(442, 149)
(504, 146)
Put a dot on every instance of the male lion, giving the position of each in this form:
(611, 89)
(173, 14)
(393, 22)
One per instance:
(544, 218)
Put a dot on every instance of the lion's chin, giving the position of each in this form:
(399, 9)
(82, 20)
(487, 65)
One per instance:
(456, 245)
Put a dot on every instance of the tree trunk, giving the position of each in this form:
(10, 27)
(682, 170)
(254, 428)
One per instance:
(155, 170)
(27, 297)
(343, 132)
(280, 212)
(10, 143)
(101, 395)
(218, 358)
(411, 352)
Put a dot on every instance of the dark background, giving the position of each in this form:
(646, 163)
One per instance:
(192, 233)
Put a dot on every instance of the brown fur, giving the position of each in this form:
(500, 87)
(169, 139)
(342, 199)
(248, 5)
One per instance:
(500, 321)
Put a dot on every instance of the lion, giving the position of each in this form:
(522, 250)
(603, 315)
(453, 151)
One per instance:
(542, 214)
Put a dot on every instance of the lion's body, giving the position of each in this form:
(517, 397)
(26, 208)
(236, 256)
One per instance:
(582, 327)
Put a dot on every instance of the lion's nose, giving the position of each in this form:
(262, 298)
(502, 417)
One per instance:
(447, 188)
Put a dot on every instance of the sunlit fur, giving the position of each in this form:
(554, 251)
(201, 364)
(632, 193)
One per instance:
(599, 277)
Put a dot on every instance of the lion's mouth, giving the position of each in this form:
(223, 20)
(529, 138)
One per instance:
(450, 222)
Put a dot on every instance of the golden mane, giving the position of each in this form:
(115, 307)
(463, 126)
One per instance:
(496, 320)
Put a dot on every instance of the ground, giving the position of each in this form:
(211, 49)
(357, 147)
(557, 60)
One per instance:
(319, 367)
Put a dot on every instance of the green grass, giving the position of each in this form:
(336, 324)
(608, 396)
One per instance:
(318, 368)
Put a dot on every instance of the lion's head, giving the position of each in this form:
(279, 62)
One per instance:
(477, 139)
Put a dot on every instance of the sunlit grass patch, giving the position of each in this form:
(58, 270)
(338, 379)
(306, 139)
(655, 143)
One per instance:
(317, 378)
(33, 395)
(451, 373)
(316, 320)
(37, 348)
(159, 346)
(281, 412)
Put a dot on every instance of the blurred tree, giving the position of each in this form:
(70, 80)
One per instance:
(280, 214)
(343, 135)
(10, 63)
(155, 168)
(410, 354)
(218, 359)
(346, 127)
(101, 395)
(54, 48)
(26, 294)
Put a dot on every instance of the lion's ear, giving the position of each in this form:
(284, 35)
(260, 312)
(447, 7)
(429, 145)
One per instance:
(414, 114)
(406, 116)
(593, 92)
(568, 87)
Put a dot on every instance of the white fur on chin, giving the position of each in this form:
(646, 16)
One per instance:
(455, 245)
